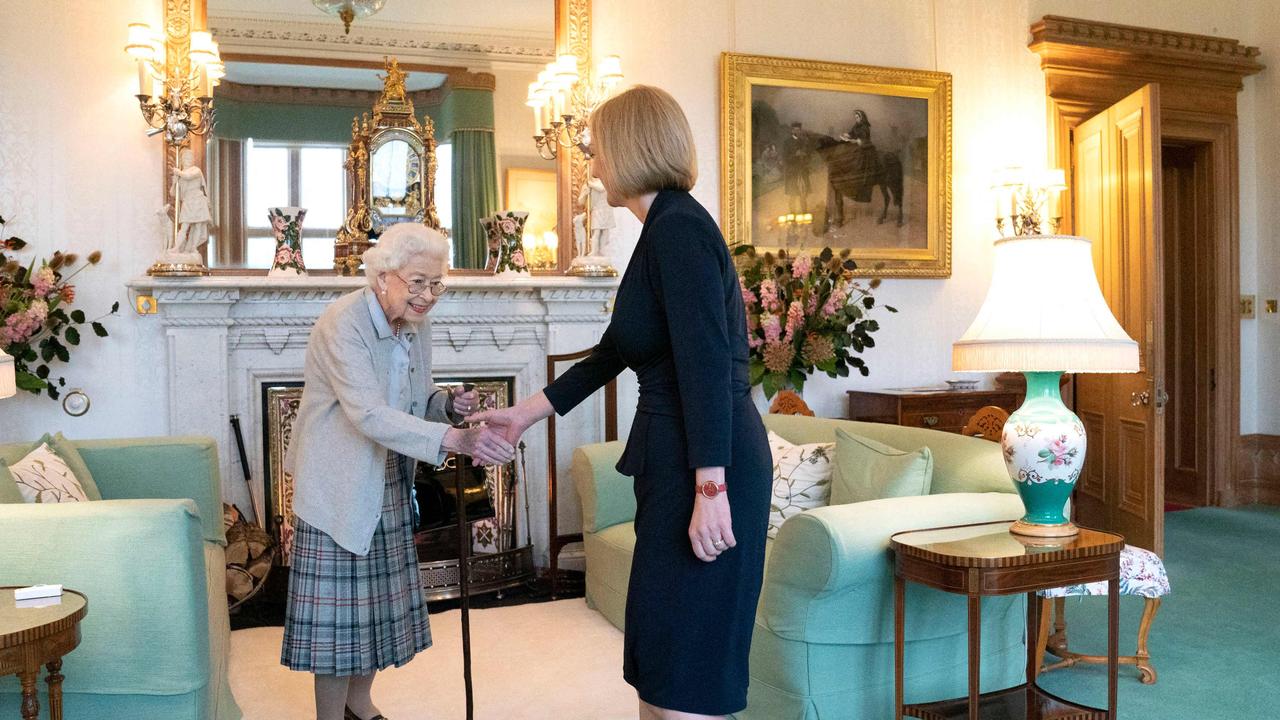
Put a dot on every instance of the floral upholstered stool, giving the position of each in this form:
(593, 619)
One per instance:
(1142, 574)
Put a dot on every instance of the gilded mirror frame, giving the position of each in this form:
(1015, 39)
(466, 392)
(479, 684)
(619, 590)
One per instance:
(572, 35)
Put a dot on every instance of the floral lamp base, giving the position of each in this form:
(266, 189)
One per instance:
(1044, 448)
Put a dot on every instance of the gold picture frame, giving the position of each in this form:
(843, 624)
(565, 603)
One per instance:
(881, 189)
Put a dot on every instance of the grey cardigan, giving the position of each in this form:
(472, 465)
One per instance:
(344, 426)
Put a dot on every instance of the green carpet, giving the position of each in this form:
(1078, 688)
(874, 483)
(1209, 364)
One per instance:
(1214, 643)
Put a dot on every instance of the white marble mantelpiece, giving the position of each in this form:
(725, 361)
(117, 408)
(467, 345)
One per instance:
(226, 336)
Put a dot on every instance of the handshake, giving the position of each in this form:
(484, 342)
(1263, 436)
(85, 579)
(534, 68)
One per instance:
(492, 443)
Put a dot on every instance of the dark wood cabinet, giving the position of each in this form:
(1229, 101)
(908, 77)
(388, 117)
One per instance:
(946, 410)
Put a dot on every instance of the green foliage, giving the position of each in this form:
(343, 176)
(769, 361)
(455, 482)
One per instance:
(805, 314)
(35, 325)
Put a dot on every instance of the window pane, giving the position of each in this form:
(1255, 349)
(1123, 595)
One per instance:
(266, 183)
(259, 252)
(322, 186)
(444, 185)
(317, 253)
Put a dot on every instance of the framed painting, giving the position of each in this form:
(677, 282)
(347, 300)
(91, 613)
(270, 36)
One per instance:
(820, 154)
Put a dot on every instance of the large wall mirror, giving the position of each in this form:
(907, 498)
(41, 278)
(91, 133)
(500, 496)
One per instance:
(295, 82)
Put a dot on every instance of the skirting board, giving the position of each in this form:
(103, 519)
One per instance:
(1258, 471)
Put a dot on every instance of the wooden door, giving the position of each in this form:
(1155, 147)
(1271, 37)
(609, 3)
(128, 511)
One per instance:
(1116, 182)
(1189, 336)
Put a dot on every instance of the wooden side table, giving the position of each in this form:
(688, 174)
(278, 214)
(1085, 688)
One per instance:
(986, 559)
(35, 636)
(940, 409)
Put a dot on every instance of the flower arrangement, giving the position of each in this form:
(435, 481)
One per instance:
(36, 326)
(804, 313)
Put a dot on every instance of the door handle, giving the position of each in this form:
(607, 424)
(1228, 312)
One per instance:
(1140, 398)
(930, 420)
(1162, 399)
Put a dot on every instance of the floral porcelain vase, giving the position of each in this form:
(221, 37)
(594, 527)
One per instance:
(1044, 448)
(505, 234)
(286, 223)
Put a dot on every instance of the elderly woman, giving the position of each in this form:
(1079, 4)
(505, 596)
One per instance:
(697, 450)
(368, 413)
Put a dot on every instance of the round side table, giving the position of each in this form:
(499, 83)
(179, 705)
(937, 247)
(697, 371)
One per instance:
(33, 634)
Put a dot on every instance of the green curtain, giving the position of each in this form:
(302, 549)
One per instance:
(475, 194)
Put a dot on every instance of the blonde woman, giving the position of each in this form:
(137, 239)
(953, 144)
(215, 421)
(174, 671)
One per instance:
(369, 412)
(697, 450)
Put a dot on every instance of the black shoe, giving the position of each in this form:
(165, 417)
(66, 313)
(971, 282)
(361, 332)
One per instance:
(350, 714)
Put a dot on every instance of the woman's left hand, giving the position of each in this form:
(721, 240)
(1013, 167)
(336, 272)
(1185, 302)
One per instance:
(711, 528)
(465, 401)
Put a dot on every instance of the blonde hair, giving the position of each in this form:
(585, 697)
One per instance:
(643, 139)
(399, 243)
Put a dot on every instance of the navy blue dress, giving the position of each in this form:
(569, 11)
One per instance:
(680, 323)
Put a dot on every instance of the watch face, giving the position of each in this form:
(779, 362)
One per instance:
(709, 489)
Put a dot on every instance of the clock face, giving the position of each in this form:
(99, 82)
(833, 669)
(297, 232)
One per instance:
(75, 403)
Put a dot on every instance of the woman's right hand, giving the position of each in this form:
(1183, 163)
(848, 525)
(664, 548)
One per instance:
(511, 422)
(483, 444)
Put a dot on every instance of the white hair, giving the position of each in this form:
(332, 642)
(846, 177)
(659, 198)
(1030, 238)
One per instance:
(399, 243)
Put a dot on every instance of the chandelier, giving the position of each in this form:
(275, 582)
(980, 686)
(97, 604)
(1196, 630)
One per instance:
(562, 101)
(348, 10)
(175, 94)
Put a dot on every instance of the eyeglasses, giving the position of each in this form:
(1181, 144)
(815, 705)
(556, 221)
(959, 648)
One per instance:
(421, 285)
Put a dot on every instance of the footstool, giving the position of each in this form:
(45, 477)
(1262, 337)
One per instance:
(1141, 573)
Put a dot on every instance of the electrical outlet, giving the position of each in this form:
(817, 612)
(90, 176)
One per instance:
(1246, 306)
(1271, 306)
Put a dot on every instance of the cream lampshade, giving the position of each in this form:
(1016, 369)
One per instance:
(1044, 315)
(8, 376)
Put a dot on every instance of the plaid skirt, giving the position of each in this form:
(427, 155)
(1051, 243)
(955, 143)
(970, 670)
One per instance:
(352, 615)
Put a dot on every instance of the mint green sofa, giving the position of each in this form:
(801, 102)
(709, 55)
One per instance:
(822, 648)
(150, 559)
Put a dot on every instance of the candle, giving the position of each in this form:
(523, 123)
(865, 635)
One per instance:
(537, 119)
(144, 78)
(558, 96)
(204, 82)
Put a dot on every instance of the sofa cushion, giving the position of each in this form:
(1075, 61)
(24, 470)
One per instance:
(62, 447)
(42, 476)
(869, 470)
(960, 464)
(608, 497)
(801, 478)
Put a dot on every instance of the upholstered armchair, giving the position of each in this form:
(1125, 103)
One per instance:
(149, 558)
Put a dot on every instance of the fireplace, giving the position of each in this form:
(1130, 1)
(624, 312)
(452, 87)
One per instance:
(500, 555)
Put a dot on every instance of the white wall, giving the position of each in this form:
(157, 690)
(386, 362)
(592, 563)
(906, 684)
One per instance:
(76, 171)
(998, 119)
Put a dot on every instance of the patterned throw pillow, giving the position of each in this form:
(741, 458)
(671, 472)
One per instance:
(43, 477)
(801, 479)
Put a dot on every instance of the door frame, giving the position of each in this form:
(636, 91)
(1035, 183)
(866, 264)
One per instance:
(1091, 65)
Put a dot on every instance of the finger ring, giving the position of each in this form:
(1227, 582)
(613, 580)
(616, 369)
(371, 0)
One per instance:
(718, 544)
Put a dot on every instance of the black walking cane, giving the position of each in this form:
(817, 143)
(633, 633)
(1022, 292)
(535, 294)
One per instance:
(464, 580)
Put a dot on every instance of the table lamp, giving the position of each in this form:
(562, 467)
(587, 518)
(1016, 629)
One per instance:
(1044, 315)
(8, 376)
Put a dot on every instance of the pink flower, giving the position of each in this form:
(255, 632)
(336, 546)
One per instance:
(772, 328)
(748, 297)
(44, 282)
(834, 303)
(283, 256)
(769, 295)
(68, 293)
(278, 223)
(811, 306)
(508, 226)
(517, 259)
(38, 312)
(297, 258)
(795, 319)
(802, 266)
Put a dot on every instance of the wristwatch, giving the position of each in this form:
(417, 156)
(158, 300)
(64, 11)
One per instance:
(711, 488)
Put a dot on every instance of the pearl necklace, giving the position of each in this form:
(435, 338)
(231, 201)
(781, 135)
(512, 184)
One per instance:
(396, 330)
